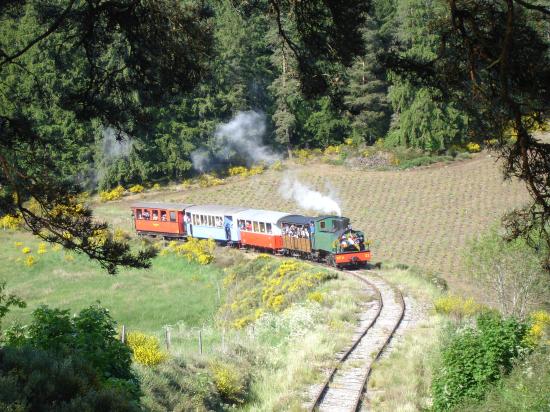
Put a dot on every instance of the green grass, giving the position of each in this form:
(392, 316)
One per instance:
(172, 291)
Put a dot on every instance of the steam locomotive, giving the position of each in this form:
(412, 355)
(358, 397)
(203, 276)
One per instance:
(329, 239)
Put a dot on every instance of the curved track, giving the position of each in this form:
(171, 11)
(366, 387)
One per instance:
(344, 387)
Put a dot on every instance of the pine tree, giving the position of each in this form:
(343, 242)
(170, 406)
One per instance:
(366, 94)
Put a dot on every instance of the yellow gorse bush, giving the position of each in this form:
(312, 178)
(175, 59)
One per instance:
(115, 194)
(136, 189)
(539, 329)
(229, 382)
(457, 306)
(237, 171)
(268, 285)
(332, 150)
(11, 222)
(208, 180)
(145, 348)
(200, 251)
(30, 260)
(42, 248)
(26, 250)
(473, 147)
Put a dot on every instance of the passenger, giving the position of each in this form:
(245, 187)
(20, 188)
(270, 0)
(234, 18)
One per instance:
(146, 215)
(249, 227)
(163, 217)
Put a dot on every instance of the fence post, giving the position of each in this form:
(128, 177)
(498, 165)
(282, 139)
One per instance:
(168, 338)
(123, 334)
(200, 342)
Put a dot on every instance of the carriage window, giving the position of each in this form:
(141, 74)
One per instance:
(262, 227)
(138, 214)
(155, 215)
(172, 216)
(163, 215)
(219, 221)
(210, 220)
(322, 224)
(194, 219)
(248, 225)
(146, 214)
(256, 228)
(334, 225)
(203, 220)
(268, 227)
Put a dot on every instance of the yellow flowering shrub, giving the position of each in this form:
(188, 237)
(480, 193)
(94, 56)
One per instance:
(277, 166)
(120, 235)
(332, 150)
(268, 285)
(145, 348)
(156, 186)
(457, 306)
(196, 250)
(348, 141)
(237, 171)
(11, 222)
(30, 260)
(539, 330)
(316, 297)
(26, 250)
(18, 244)
(303, 155)
(208, 180)
(473, 147)
(42, 248)
(136, 189)
(109, 195)
(230, 382)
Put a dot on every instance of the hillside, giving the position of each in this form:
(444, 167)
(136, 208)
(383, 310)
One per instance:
(421, 217)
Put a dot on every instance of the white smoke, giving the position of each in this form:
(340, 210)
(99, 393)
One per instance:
(307, 198)
(239, 139)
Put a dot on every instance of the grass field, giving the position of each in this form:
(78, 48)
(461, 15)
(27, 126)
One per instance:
(173, 290)
(422, 217)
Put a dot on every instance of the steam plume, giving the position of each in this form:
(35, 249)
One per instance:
(307, 198)
(240, 139)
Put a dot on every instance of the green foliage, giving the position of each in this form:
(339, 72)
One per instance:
(476, 357)
(90, 335)
(231, 381)
(524, 390)
(33, 379)
(457, 306)
(8, 300)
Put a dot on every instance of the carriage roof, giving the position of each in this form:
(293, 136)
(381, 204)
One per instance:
(260, 215)
(215, 210)
(160, 205)
(296, 220)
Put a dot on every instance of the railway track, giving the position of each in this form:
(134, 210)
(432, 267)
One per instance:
(345, 385)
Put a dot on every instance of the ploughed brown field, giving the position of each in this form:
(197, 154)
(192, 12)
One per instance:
(422, 217)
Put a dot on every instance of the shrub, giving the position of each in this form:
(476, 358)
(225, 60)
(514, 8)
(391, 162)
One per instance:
(145, 348)
(196, 250)
(231, 382)
(207, 180)
(156, 186)
(474, 358)
(539, 325)
(237, 171)
(180, 385)
(30, 260)
(11, 222)
(110, 195)
(277, 166)
(136, 189)
(316, 297)
(473, 147)
(35, 379)
(42, 248)
(26, 250)
(457, 307)
(90, 335)
(332, 150)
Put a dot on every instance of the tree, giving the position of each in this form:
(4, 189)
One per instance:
(66, 69)
(493, 60)
(510, 273)
(366, 91)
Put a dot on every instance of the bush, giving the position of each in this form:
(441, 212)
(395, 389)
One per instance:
(146, 349)
(457, 307)
(473, 147)
(207, 180)
(539, 329)
(33, 379)
(11, 222)
(474, 358)
(178, 385)
(136, 189)
(231, 383)
(196, 250)
(115, 194)
(90, 335)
